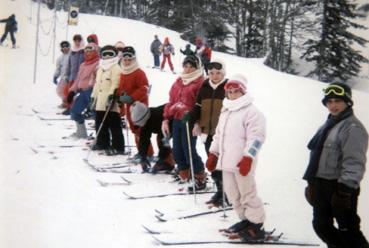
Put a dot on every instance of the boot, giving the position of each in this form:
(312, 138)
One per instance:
(235, 228)
(81, 131)
(200, 182)
(184, 176)
(161, 166)
(217, 198)
(253, 232)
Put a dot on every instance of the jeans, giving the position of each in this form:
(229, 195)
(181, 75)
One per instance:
(156, 60)
(80, 103)
(181, 150)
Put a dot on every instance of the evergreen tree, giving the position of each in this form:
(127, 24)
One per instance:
(333, 53)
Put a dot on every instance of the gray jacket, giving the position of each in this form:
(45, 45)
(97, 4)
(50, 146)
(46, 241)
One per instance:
(343, 156)
(61, 67)
(76, 58)
(155, 47)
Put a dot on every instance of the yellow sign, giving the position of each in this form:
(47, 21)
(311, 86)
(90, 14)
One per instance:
(73, 15)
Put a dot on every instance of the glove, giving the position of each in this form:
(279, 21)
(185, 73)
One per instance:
(165, 128)
(55, 80)
(341, 199)
(245, 165)
(126, 99)
(211, 163)
(186, 117)
(310, 194)
(70, 97)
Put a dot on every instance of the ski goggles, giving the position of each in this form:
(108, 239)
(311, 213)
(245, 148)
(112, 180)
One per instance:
(90, 40)
(128, 52)
(233, 87)
(215, 65)
(335, 89)
(107, 54)
(89, 49)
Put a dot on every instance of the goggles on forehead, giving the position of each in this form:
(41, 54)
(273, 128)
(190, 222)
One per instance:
(215, 65)
(336, 90)
(90, 40)
(232, 86)
(107, 54)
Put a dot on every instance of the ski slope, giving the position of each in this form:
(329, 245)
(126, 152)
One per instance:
(50, 197)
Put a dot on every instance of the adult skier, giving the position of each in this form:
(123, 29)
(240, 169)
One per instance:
(11, 26)
(335, 170)
(182, 98)
(155, 50)
(80, 92)
(236, 143)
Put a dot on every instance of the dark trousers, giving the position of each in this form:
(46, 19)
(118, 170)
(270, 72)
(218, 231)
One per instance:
(348, 234)
(181, 150)
(112, 125)
(12, 37)
(216, 175)
(157, 60)
(80, 103)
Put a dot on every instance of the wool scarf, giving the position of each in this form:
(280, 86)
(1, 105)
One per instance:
(189, 77)
(131, 68)
(315, 145)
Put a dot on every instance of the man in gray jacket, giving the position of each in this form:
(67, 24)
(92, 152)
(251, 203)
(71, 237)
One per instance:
(155, 50)
(335, 170)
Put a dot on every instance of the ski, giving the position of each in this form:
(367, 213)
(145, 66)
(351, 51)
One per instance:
(53, 118)
(124, 182)
(137, 197)
(163, 218)
(108, 167)
(172, 239)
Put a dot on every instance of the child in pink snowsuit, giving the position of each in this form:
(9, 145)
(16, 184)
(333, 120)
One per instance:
(238, 137)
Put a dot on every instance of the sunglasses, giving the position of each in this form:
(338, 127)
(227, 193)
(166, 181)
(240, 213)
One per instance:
(336, 90)
(64, 46)
(215, 65)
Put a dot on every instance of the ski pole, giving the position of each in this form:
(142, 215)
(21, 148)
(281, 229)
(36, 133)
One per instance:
(191, 161)
(101, 125)
(127, 126)
(223, 196)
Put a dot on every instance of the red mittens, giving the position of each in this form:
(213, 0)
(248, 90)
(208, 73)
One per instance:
(245, 165)
(211, 163)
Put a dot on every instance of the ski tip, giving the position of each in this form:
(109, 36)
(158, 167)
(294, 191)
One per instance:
(160, 218)
(149, 230)
(159, 212)
(129, 196)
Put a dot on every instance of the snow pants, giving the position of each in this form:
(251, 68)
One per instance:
(112, 125)
(60, 87)
(165, 58)
(80, 103)
(348, 233)
(12, 37)
(181, 151)
(241, 192)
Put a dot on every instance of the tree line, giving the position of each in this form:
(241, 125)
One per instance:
(321, 32)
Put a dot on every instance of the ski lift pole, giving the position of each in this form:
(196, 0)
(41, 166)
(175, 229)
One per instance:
(36, 45)
(191, 160)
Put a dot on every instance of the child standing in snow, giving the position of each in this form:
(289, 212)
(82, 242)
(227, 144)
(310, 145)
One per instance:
(60, 71)
(103, 99)
(205, 115)
(167, 49)
(182, 98)
(237, 140)
(80, 91)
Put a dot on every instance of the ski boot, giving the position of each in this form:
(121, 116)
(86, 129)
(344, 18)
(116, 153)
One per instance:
(253, 232)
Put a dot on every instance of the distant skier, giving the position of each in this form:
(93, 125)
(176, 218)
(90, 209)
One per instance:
(149, 119)
(167, 49)
(238, 138)
(155, 50)
(80, 92)
(187, 51)
(203, 51)
(60, 72)
(11, 27)
(335, 170)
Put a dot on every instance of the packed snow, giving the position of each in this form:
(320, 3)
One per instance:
(50, 198)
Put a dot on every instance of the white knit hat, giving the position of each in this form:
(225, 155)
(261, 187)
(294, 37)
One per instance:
(238, 79)
(140, 113)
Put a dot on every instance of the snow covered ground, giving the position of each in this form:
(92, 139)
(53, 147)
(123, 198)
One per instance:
(52, 199)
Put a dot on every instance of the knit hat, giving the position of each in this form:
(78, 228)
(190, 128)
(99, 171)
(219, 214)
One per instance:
(108, 51)
(237, 81)
(92, 38)
(217, 64)
(192, 60)
(338, 90)
(140, 113)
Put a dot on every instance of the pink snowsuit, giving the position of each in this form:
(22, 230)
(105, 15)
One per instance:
(240, 132)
